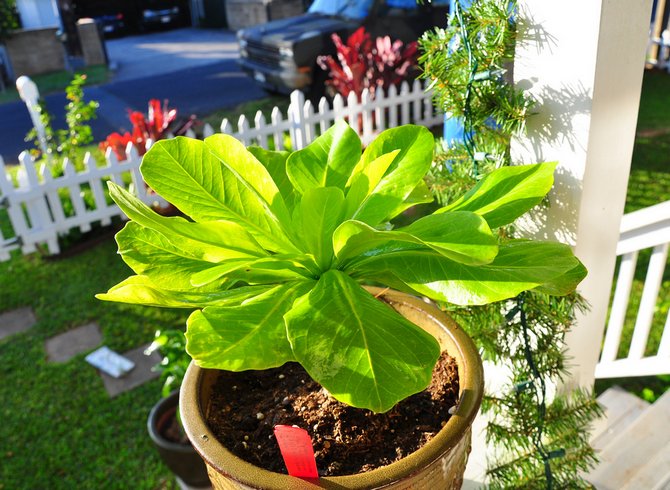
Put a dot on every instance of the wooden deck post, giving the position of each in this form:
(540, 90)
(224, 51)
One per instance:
(584, 62)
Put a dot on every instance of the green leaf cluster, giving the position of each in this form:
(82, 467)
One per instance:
(9, 19)
(66, 143)
(278, 246)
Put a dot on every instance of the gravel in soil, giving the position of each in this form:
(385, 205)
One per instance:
(245, 407)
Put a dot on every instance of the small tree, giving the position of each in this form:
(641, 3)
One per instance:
(64, 143)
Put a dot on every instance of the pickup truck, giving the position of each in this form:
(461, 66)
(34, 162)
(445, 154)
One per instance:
(281, 55)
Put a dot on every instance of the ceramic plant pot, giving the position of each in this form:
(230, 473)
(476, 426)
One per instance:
(438, 465)
(182, 459)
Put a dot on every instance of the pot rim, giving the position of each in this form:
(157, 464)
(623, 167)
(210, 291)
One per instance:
(471, 385)
(162, 406)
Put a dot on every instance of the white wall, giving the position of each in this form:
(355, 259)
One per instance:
(38, 13)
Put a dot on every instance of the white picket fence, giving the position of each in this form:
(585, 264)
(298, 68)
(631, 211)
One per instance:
(647, 228)
(411, 103)
(34, 200)
(36, 205)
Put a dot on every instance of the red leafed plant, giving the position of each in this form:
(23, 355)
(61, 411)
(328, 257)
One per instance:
(365, 65)
(118, 143)
(155, 126)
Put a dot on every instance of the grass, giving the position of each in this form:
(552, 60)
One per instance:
(649, 184)
(57, 81)
(60, 429)
(248, 109)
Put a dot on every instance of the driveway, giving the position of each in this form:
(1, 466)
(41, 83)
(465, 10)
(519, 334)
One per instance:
(168, 52)
(195, 69)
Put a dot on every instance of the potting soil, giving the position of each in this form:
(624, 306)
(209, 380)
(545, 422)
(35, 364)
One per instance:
(245, 407)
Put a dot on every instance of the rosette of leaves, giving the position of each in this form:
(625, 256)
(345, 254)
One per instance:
(279, 244)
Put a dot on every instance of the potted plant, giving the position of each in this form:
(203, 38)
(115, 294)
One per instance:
(275, 259)
(164, 423)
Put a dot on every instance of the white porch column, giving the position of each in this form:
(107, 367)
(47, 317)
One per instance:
(583, 60)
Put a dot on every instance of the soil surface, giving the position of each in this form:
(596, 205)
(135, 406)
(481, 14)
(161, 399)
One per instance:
(246, 406)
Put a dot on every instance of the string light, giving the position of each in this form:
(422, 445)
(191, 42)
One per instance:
(540, 393)
(538, 383)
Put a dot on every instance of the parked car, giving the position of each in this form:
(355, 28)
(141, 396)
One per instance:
(111, 24)
(281, 55)
(161, 13)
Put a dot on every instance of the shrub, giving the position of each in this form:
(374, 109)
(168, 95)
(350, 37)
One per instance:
(159, 121)
(365, 65)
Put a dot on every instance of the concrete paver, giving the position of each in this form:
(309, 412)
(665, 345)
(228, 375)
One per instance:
(65, 346)
(16, 321)
(138, 376)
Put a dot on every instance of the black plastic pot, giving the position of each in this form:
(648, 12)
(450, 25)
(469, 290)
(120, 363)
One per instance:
(182, 459)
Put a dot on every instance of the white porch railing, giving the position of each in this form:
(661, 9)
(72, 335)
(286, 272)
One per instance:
(33, 202)
(647, 228)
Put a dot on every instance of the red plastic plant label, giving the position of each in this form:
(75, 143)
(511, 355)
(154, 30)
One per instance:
(297, 450)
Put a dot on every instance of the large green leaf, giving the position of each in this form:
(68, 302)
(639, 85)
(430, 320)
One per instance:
(519, 266)
(203, 180)
(276, 269)
(506, 193)
(249, 336)
(275, 163)
(404, 174)
(358, 348)
(213, 241)
(320, 212)
(461, 236)
(365, 177)
(151, 254)
(421, 194)
(565, 284)
(216, 273)
(327, 161)
(248, 170)
(142, 291)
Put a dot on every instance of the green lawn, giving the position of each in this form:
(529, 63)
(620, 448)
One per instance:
(60, 430)
(57, 81)
(248, 109)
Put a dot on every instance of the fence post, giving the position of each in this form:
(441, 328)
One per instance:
(30, 95)
(296, 116)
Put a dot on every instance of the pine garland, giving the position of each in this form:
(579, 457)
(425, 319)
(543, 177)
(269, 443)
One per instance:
(466, 63)
(539, 443)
